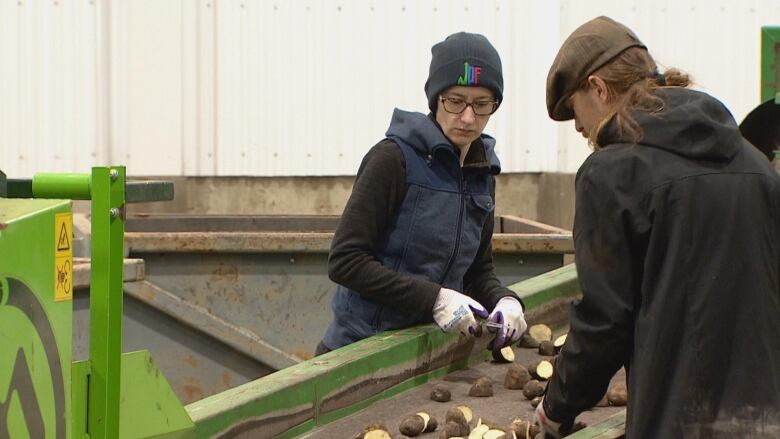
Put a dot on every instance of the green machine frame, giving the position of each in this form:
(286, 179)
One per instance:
(770, 56)
(770, 70)
(111, 394)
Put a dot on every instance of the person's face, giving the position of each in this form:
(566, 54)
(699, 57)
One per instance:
(466, 126)
(589, 105)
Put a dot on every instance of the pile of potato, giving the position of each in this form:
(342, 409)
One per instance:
(459, 424)
(459, 421)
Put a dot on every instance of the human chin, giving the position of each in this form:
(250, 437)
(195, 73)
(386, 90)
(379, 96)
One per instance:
(460, 139)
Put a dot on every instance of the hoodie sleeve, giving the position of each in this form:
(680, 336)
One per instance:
(609, 257)
(480, 280)
(377, 194)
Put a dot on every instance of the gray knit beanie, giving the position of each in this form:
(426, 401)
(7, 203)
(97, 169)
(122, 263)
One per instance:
(463, 59)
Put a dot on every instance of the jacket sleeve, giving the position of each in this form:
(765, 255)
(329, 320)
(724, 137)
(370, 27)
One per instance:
(609, 255)
(377, 194)
(480, 281)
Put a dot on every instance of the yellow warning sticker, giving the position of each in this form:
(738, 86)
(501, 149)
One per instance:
(63, 256)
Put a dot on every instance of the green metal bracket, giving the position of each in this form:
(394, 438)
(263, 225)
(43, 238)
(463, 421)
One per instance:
(148, 405)
(108, 229)
(770, 63)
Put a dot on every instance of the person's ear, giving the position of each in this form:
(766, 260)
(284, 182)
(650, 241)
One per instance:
(600, 87)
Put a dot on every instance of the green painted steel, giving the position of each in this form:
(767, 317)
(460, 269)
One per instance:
(35, 329)
(79, 376)
(613, 427)
(108, 400)
(302, 391)
(303, 387)
(555, 284)
(72, 186)
(148, 406)
(108, 192)
(770, 67)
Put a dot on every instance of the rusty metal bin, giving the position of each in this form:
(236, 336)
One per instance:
(226, 299)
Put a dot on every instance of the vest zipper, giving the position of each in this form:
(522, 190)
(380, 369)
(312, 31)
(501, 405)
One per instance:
(460, 226)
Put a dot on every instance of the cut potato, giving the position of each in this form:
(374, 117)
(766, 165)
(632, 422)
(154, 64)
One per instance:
(417, 424)
(523, 429)
(377, 434)
(541, 370)
(558, 343)
(540, 332)
(493, 433)
(414, 425)
(467, 413)
(478, 431)
(505, 355)
(458, 416)
(454, 429)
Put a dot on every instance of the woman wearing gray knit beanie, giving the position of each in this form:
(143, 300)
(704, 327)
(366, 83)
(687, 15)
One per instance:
(414, 242)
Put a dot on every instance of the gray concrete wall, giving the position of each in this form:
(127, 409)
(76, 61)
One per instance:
(544, 197)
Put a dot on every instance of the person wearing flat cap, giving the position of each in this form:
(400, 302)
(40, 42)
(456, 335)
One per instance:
(677, 245)
(413, 245)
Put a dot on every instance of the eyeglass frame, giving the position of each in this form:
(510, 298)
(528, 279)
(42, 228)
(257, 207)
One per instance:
(445, 99)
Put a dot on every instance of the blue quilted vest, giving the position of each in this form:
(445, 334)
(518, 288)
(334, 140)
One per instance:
(435, 235)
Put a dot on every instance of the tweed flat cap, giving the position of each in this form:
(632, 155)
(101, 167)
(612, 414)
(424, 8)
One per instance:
(587, 49)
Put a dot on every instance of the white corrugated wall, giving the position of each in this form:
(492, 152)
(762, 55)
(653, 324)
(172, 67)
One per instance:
(266, 88)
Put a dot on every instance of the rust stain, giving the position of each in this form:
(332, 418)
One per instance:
(227, 379)
(191, 360)
(306, 355)
(225, 274)
(191, 390)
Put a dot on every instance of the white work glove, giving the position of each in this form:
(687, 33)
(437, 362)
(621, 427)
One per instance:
(454, 312)
(509, 314)
(554, 429)
(548, 426)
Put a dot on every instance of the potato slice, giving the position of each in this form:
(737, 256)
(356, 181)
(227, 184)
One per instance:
(377, 434)
(558, 343)
(505, 355)
(540, 332)
(478, 431)
(541, 370)
(493, 434)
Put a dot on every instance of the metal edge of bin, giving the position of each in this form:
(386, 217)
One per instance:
(312, 242)
(315, 392)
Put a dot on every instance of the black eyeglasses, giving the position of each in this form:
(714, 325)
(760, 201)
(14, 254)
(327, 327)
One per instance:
(458, 105)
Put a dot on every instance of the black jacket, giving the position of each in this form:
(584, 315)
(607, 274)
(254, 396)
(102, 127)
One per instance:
(677, 243)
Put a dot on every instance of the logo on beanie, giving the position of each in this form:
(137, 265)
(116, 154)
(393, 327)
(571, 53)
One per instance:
(470, 75)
